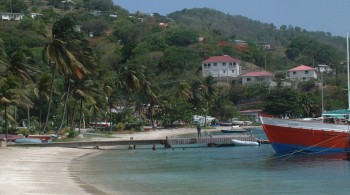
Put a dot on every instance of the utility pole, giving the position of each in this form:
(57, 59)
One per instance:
(11, 5)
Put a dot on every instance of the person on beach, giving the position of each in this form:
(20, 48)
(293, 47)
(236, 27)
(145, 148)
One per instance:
(199, 130)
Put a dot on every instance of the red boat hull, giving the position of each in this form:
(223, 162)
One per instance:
(290, 139)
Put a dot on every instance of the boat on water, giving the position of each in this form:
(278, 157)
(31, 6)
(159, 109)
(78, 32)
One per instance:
(287, 135)
(331, 134)
(234, 129)
(237, 142)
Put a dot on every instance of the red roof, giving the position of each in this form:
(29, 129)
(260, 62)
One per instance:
(224, 58)
(257, 74)
(302, 68)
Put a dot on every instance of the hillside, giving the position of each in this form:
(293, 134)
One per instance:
(241, 27)
(95, 58)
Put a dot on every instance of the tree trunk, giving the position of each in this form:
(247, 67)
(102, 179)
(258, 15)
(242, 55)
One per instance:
(28, 116)
(73, 114)
(110, 117)
(64, 108)
(151, 115)
(81, 113)
(50, 99)
(15, 116)
(6, 123)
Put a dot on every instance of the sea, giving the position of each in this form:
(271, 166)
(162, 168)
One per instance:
(215, 170)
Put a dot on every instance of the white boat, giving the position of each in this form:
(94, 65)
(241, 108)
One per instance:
(237, 142)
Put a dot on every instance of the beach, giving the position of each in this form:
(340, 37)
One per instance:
(41, 170)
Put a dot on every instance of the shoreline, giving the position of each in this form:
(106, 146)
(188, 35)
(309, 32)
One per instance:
(50, 170)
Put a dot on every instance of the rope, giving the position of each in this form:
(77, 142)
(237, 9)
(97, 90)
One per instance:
(306, 148)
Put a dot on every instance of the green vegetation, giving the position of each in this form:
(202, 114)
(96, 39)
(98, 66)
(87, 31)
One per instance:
(80, 64)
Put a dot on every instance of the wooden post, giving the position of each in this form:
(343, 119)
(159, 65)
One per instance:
(167, 145)
(130, 145)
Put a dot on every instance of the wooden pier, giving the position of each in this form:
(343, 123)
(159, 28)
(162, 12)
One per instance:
(167, 142)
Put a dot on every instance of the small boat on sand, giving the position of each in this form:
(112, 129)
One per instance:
(237, 142)
(28, 141)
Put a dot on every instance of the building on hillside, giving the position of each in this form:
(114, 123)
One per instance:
(11, 16)
(67, 4)
(35, 15)
(323, 68)
(257, 77)
(302, 73)
(221, 66)
(252, 114)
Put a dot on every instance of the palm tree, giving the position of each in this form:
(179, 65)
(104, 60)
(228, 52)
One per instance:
(67, 55)
(42, 92)
(12, 94)
(184, 91)
(84, 92)
(207, 93)
(4, 63)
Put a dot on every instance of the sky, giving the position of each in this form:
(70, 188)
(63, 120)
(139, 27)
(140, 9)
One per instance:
(312, 15)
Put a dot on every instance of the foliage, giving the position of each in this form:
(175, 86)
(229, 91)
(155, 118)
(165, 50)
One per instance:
(134, 71)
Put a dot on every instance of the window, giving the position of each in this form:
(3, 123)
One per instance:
(294, 73)
(233, 71)
(208, 66)
(249, 79)
(230, 64)
(224, 71)
(224, 64)
(306, 72)
(215, 64)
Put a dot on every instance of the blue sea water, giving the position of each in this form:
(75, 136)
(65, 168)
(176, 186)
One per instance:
(216, 170)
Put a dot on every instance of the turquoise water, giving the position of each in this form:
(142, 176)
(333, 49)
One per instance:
(216, 170)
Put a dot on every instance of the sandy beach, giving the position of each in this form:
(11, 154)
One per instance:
(33, 170)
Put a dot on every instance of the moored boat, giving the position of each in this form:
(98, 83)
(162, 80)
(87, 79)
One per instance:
(329, 135)
(234, 129)
(237, 142)
(287, 135)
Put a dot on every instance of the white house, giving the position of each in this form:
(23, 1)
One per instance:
(253, 114)
(221, 66)
(35, 15)
(302, 73)
(257, 77)
(324, 68)
(11, 16)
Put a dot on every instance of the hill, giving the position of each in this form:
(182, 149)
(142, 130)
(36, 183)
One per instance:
(241, 27)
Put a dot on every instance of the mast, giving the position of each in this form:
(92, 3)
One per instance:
(347, 65)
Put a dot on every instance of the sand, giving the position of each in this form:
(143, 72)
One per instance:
(34, 170)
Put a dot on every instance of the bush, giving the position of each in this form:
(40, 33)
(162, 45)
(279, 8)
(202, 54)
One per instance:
(71, 132)
(135, 124)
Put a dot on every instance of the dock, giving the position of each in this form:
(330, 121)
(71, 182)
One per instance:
(167, 142)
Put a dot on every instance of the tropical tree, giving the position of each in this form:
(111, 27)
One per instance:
(68, 55)
(12, 94)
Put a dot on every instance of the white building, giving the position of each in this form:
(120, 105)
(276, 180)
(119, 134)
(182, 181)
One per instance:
(11, 16)
(302, 73)
(221, 66)
(257, 77)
